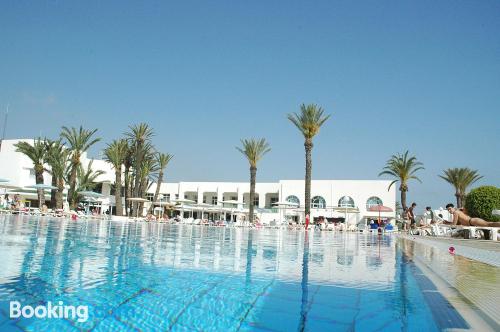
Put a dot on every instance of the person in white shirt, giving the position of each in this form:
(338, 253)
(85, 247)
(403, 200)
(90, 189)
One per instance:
(429, 216)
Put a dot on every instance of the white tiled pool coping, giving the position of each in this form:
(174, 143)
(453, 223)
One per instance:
(482, 251)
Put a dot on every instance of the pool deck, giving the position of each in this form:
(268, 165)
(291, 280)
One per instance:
(469, 278)
(485, 251)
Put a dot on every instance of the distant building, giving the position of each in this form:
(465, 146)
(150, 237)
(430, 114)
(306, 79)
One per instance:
(349, 199)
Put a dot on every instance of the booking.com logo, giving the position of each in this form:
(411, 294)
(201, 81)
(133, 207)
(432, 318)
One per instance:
(50, 310)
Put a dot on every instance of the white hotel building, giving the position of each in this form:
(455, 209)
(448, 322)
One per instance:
(349, 199)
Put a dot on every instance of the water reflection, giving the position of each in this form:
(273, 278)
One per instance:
(477, 282)
(84, 253)
(304, 307)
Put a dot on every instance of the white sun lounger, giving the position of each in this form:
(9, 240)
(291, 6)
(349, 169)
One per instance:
(447, 230)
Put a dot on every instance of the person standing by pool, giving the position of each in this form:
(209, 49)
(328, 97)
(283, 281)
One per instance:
(411, 214)
(429, 216)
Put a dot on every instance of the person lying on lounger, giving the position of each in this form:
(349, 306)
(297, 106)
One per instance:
(460, 218)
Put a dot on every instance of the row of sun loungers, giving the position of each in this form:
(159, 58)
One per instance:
(445, 230)
(240, 223)
(58, 213)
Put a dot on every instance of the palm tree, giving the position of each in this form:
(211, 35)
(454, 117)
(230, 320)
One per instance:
(78, 141)
(49, 145)
(461, 179)
(253, 150)
(308, 121)
(86, 177)
(36, 153)
(57, 158)
(146, 174)
(162, 160)
(85, 180)
(403, 168)
(115, 153)
(139, 137)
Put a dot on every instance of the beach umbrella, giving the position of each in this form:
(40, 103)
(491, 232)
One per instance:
(183, 201)
(283, 206)
(379, 208)
(203, 207)
(9, 186)
(162, 204)
(345, 209)
(90, 194)
(230, 202)
(286, 204)
(88, 200)
(233, 202)
(42, 186)
(137, 199)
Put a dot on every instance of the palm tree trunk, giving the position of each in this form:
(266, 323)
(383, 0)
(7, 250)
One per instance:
(138, 180)
(138, 166)
(305, 304)
(142, 194)
(253, 175)
(53, 192)
(308, 145)
(72, 186)
(59, 193)
(118, 192)
(403, 199)
(40, 192)
(127, 188)
(157, 191)
(458, 196)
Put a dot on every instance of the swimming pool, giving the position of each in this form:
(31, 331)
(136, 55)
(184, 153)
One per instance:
(146, 276)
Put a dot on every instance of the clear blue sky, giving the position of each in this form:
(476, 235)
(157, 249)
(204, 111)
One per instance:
(395, 75)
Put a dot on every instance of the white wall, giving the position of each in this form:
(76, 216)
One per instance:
(16, 167)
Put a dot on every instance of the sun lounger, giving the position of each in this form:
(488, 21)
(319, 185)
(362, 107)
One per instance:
(491, 231)
(470, 232)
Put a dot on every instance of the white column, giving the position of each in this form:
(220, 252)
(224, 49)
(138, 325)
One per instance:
(219, 195)
(200, 196)
(262, 200)
(240, 195)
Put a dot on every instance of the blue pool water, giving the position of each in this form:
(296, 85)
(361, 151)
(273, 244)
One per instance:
(140, 276)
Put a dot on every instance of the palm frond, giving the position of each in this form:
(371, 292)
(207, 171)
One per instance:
(309, 120)
(403, 167)
(254, 149)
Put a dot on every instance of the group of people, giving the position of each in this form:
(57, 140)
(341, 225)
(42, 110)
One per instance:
(11, 202)
(457, 216)
(152, 217)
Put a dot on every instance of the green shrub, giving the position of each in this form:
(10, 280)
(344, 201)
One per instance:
(481, 201)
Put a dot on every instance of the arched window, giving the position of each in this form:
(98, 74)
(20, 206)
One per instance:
(346, 201)
(318, 202)
(293, 199)
(373, 201)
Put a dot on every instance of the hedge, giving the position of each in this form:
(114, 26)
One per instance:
(480, 202)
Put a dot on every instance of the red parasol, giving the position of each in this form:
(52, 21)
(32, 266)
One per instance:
(379, 208)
